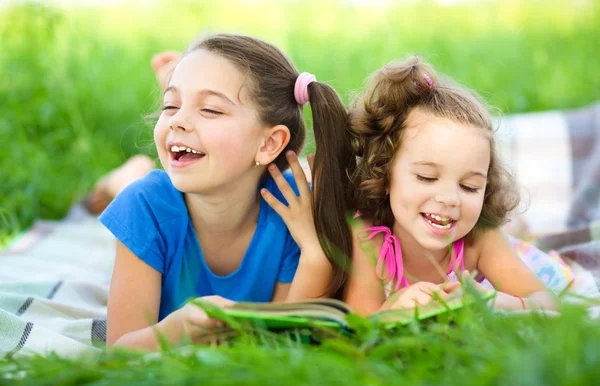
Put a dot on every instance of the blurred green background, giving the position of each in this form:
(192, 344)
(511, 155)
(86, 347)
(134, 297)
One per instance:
(76, 81)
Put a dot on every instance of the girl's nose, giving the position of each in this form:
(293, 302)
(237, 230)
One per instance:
(447, 199)
(179, 121)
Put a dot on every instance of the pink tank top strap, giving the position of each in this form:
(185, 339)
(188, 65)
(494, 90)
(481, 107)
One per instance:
(390, 255)
(457, 259)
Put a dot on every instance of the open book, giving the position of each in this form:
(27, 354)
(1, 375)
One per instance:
(331, 313)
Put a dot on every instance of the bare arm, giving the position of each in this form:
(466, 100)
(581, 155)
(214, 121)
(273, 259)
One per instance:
(133, 304)
(310, 280)
(364, 292)
(500, 264)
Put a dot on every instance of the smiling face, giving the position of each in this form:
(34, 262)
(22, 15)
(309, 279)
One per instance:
(438, 180)
(208, 134)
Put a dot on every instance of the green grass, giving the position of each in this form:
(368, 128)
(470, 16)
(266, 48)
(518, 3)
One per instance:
(477, 348)
(76, 84)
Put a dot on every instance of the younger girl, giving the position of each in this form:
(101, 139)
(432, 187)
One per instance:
(202, 227)
(432, 195)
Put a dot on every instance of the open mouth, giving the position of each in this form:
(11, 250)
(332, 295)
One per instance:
(439, 222)
(183, 153)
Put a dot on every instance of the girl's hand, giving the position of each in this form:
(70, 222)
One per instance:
(466, 276)
(193, 321)
(298, 215)
(418, 294)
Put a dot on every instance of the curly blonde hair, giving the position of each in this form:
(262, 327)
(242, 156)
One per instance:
(378, 119)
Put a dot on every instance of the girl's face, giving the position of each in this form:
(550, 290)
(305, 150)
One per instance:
(438, 180)
(208, 134)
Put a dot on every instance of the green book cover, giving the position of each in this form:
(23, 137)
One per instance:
(330, 313)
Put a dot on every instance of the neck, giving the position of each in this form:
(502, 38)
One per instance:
(231, 210)
(419, 261)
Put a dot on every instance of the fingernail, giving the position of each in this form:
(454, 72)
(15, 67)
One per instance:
(311, 156)
(290, 153)
(263, 191)
(272, 167)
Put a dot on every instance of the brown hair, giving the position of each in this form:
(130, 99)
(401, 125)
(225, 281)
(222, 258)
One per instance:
(378, 119)
(272, 77)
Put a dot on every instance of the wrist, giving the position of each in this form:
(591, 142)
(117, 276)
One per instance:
(171, 327)
(504, 301)
(312, 251)
(522, 301)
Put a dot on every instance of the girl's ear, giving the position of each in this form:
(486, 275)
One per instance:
(275, 140)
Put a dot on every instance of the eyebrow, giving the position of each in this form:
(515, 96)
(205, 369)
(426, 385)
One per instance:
(203, 92)
(433, 164)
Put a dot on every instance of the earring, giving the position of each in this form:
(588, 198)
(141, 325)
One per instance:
(256, 164)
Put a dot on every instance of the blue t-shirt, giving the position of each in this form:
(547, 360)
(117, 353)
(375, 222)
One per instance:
(150, 218)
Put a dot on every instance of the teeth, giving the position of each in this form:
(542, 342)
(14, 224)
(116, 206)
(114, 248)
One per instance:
(447, 226)
(439, 218)
(176, 149)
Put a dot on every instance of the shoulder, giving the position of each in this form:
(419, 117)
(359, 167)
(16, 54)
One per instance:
(488, 242)
(361, 229)
(157, 181)
(155, 187)
(153, 194)
(366, 242)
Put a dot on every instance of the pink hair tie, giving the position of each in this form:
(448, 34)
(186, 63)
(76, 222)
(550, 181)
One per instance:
(301, 87)
(428, 80)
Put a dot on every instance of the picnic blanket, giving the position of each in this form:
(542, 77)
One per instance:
(555, 157)
(54, 283)
(54, 279)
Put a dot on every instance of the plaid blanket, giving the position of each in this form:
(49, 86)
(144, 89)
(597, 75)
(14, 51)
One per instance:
(556, 159)
(54, 287)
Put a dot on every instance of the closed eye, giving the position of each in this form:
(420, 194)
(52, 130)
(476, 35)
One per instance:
(469, 189)
(426, 179)
(212, 112)
(164, 108)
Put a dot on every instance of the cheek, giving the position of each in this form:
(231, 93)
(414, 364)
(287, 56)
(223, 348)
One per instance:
(405, 194)
(473, 205)
(161, 131)
(234, 146)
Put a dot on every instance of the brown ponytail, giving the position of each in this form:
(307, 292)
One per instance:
(332, 192)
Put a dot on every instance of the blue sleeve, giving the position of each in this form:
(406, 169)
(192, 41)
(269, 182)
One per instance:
(132, 218)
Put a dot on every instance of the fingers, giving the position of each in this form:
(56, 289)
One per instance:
(285, 188)
(195, 316)
(274, 203)
(449, 288)
(218, 300)
(466, 276)
(298, 173)
(422, 299)
(429, 288)
(419, 294)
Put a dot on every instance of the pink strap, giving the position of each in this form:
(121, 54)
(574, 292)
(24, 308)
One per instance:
(390, 255)
(301, 87)
(457, 256)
